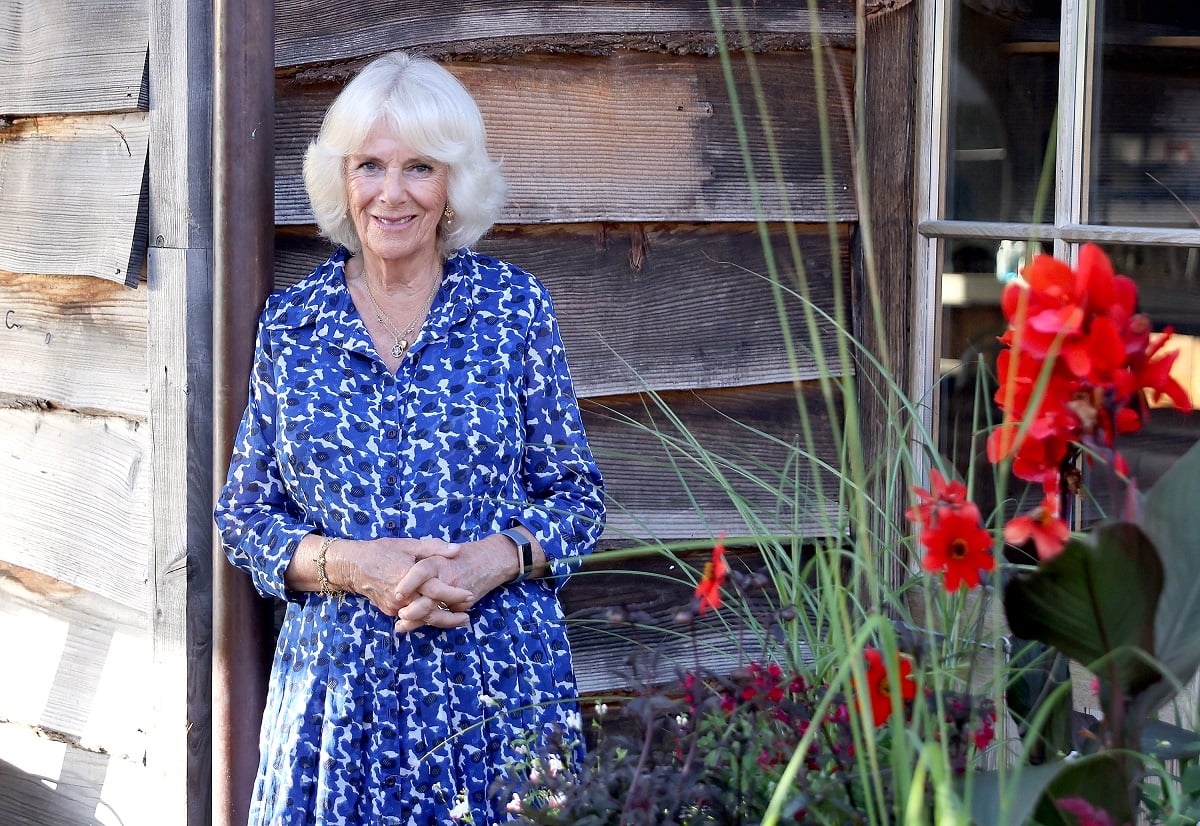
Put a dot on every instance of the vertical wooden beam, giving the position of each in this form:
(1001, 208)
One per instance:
(244, 215)
(885, 239)
(179, 357)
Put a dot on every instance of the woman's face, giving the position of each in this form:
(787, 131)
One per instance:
(395, 197)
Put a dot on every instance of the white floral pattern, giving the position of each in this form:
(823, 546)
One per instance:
(477, 430)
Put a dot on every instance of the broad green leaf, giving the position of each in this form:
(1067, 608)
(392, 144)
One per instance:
(1021, 786)
(1171, 519)
(1098, 779)
(1167, 741)
(1094, 600)
(1035, 670)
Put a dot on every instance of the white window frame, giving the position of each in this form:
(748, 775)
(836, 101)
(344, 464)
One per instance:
(1069, 229)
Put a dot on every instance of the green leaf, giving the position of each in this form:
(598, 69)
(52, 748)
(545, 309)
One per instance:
(1172, 521)
(1096, 599)
(1098, 779)
(1167, 741)
(1021, 785)
(1035, 670)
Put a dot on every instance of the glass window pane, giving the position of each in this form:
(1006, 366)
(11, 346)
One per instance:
(1003, 92)
(975, 271)
(1146, 133)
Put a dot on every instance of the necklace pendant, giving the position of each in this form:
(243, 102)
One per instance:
(399, 347)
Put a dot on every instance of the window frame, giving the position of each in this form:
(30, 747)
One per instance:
(1069, 229)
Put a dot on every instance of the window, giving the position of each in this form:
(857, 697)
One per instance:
(1050, 123)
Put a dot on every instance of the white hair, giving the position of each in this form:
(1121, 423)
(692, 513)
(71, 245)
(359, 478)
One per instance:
(432, 112)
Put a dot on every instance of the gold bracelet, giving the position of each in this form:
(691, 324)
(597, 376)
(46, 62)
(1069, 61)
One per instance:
(322, 577)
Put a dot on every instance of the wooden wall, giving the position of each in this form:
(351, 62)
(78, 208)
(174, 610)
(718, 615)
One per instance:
(632, 199)
(75, 446)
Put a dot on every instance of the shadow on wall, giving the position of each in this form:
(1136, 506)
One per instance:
(71, 799)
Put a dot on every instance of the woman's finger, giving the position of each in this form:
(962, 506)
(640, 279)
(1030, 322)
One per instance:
(424, 611)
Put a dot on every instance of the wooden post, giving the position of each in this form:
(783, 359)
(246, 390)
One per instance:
(888, 87)
(179, 355)
(243, 171)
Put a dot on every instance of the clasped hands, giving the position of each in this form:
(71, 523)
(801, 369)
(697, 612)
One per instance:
(418, 581)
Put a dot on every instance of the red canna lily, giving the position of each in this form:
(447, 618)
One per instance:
(1076, 332)
(708, 591)
(878, 690)
(1043, 525)
(959, 547)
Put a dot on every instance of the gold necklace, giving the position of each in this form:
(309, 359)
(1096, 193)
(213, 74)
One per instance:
(402, 339)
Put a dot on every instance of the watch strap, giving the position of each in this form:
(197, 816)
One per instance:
(524, 554)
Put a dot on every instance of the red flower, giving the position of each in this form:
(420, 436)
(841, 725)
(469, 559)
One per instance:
(879, 689)
(941, 494)
(715, 571)
(958, 546)
(1076, 332)
(1048, 532)
(1085, 813)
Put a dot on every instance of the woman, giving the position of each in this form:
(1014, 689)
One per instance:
(411, 476)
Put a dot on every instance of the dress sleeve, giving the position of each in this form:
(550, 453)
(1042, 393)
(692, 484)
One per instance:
(259, 523)
(565, 505)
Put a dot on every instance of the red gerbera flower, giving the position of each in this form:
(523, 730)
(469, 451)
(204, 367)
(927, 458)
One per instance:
(879, 689)
(940, 494)
(715, 571)
(958, 547)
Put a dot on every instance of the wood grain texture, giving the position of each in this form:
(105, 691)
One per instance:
(76, 501)
(73, 196)
(311, 31)
(626, 611)
(688, 465)
(83, 661)
(77, 343)
(48, 782)
(662, 307)
(57, 56)
(883, 278)
(631, 137)
(179, 317)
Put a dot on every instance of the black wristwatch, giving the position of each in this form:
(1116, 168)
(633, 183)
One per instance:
(524, 554)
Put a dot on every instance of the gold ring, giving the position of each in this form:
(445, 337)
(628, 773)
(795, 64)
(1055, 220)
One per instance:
(443, 606)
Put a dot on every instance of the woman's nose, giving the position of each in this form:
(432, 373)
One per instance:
(394, 186)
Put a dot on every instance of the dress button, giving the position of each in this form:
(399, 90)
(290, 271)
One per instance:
(390, 782)
(391, 524)
(391, 434)
(391, 480)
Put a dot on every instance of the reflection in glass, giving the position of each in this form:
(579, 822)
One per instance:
(1003, 93)
(1146, 133)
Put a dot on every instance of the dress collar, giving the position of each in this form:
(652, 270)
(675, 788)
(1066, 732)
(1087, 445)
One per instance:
(326, 303)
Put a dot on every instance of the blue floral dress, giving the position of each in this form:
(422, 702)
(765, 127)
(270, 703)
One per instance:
(476, 431)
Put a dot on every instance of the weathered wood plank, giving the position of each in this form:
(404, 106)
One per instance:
(751, 474)
(653, 306)
(311, 31)
(621, 610)
(883, 277)
(179, 279)
(76, 498)
(59, 57)
(634, 137)
(48, 782)
(72, 196)
(82, 659)
(78, 343)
